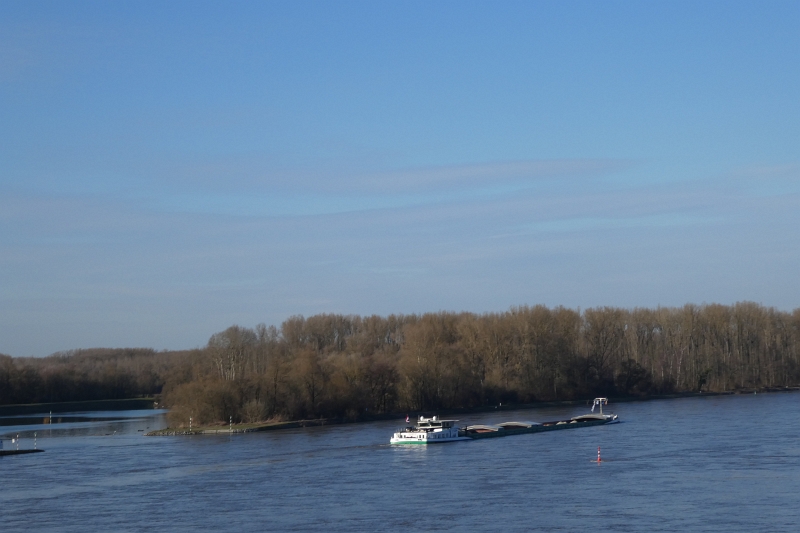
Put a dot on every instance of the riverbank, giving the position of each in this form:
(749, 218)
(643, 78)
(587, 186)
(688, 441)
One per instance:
(273, 426)
(129, 404)
(248, 428)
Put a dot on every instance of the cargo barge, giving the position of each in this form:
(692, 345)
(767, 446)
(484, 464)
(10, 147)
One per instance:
(435, 431)
(16, 451)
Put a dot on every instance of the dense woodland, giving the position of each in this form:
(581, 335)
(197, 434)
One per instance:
(83, 375)
(353, 367)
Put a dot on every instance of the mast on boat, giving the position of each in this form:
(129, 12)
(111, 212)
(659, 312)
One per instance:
(599, 402)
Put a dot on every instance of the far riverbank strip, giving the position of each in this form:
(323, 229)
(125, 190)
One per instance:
(129, 404)
(294, 424)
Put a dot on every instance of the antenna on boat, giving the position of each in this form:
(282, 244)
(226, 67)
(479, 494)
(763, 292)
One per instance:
(599, 402)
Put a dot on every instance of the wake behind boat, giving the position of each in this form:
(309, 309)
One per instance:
(434, 430)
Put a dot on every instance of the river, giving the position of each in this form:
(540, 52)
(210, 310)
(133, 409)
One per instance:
(718, 463)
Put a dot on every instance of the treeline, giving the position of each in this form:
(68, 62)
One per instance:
(351, 366)
(83, 375)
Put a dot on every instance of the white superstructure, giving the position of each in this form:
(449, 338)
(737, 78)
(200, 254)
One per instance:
(610, 418)
(428, 431)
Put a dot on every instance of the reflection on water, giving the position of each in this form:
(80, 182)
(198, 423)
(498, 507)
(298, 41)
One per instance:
(696, 464)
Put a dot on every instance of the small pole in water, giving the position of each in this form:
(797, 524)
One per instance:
(190, 424)
(34, 440)
(230, 427)
(598, 455)
(17, 441)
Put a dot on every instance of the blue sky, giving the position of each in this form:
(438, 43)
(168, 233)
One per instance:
(170, 169)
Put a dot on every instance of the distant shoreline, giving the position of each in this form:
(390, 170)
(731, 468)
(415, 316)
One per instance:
(227, 429)
(127, 404)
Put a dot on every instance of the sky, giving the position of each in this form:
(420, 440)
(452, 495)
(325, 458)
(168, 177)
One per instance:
(169, 169)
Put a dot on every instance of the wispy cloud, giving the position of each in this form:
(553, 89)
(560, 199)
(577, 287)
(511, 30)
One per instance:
(577, 240)
(502, 176)
(327, 194)
(595, 224)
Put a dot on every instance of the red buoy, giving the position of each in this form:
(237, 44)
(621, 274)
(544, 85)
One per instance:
(598, 455)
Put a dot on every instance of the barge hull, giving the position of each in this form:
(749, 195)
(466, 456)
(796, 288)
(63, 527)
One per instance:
(547, 426)
(17, 452)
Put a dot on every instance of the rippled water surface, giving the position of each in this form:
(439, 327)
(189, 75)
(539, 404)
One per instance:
(728, 463)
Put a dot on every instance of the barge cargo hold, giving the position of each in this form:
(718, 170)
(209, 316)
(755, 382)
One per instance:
(506, 429)
(431, 430)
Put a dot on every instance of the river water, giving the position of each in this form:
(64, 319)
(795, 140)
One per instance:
(722, 463)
